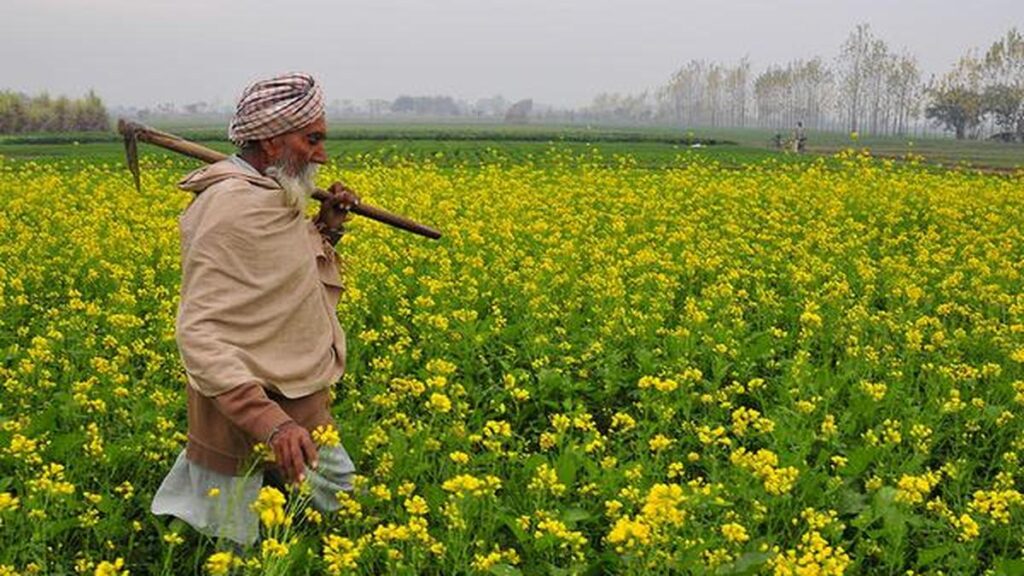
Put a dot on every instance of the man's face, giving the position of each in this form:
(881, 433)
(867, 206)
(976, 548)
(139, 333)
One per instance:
(294, 159)
(303, 147)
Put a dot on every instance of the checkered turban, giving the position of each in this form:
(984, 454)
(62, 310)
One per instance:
(276, 106)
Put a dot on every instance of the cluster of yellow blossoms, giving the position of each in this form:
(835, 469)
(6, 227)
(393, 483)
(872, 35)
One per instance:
(764, 464)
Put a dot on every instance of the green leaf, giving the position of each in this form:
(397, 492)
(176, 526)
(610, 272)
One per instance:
(884, 498)
(894, 517)
(930, 555)
(1008, 567)
(748, 563)
(550, 380)
(566, 467)
(504, 570)
(556, 571)
(532, 462)
(852, 502)
(858, 461)
(645, 361)
(574, 515)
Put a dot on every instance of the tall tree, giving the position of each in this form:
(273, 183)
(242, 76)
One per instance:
(737, 82)
(800, 92)
(853, 67)
(903, 85)
(956, 98)
(1003, 97)
(875, 96)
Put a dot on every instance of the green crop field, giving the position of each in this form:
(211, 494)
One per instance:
(625, 355)
(482, 143)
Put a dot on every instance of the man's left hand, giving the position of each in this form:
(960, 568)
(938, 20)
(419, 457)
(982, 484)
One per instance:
(293, 451)
(334, 210)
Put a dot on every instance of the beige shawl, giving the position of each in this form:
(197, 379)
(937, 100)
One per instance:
(259, 289)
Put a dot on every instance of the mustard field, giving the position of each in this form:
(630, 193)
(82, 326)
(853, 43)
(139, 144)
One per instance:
(812, 369)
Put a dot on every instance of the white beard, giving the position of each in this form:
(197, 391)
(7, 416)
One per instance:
(298, 188)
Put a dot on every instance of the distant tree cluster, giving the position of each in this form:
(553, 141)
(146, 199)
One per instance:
(800, 91)
(20, 113)
(980, 88)
(495, 107)
(425, 106)
(519, 112)
(878, 92)
(708, 94)
(865, 88)
(620, 107)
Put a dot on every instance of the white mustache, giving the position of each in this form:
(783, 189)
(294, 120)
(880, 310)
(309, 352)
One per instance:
(298, 188)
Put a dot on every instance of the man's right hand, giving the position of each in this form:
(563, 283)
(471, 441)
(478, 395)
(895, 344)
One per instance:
(293, 450)
(334, 210)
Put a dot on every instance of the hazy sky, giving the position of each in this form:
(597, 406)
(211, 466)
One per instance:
(560, 52)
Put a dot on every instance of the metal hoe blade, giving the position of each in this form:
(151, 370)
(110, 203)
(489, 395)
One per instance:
(131, 151)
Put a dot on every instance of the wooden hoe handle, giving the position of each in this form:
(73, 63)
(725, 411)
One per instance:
(134, 131)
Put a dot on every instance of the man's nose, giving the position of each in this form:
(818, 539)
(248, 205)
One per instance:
(319, 155)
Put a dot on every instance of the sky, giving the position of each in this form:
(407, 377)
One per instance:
(558, 52)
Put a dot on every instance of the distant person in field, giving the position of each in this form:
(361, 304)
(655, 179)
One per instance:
(257, 326)
(799, 138)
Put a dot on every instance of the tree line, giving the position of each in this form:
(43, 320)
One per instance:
(20, 113)
(866, 88)
(983, 88)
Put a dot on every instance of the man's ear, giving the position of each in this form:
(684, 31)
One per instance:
(271, 148)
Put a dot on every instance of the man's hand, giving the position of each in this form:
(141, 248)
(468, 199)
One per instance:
(293, 450)
(334, 210)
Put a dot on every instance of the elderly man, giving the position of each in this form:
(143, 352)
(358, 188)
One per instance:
(257, 328)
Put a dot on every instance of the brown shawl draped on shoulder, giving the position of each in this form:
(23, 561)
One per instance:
(259, 289)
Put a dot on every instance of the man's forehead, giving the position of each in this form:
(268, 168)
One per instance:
(318, 125)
